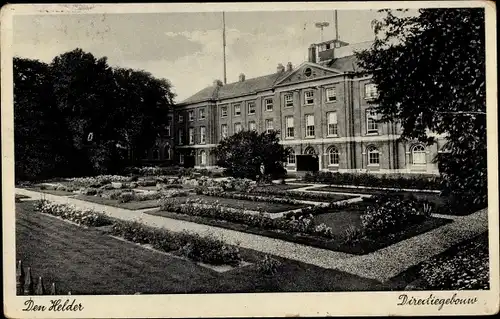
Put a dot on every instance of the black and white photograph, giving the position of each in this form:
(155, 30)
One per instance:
(249, 159)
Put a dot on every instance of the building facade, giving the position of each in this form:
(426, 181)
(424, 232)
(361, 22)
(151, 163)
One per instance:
(320, 107)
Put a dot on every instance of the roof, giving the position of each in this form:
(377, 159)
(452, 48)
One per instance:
(261, 83)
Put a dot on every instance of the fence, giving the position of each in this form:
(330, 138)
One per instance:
(26, 286)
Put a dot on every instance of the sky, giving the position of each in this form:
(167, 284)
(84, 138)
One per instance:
(186, 48)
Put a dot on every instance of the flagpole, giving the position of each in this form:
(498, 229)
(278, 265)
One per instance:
(224, 43)
(336, 27)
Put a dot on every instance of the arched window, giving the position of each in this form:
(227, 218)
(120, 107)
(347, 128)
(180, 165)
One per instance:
(291, 157)
(203, 158)
(418, 155)
(167, 152)
(333, 156)
(309, 151)
(156, 153)
(373, 156)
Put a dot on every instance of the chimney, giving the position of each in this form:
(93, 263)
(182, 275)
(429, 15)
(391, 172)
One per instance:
(289, 66)
(218, 83)
(242, 77)
(312, 53)
(280, 68)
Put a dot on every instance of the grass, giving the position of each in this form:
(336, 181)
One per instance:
(86, 261)
(50, 191)
(339, 221)
(133, 205)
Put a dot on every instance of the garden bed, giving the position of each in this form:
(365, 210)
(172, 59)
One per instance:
(50, 191)
(133, 205)
(339, 227)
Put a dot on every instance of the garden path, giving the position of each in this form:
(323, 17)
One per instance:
(381, 265)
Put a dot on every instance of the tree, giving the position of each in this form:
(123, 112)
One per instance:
(430, 73)
(38, 135)
(242, 155)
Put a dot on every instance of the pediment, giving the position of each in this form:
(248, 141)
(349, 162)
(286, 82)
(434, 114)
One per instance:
(307, 71)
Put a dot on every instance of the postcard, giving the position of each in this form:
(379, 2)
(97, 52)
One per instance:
(249, 159)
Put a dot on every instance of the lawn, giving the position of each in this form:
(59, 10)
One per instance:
(133, 205)
(339, 221)
(50, 191)
(86, 261)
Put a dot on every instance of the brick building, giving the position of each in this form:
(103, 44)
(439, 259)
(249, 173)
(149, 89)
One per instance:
(320, 107)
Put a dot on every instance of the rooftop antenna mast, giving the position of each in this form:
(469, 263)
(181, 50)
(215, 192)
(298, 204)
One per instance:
(224, 43)
(322, 25)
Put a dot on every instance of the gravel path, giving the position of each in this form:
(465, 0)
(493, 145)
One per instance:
(381, 265)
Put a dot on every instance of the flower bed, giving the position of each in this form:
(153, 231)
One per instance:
(464, 267)
(392, 181)
(98, 180)
(219, 192)
(298, 195)
(172, 171)
(193, 246)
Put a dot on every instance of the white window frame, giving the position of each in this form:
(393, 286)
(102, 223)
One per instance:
(168, 128)
(250, 126)
(181, 158)
(288, 98)
(234, 109)
(203, 135)
(235, 129)
(201, 114)
(331, 97)
(267, 103)
(290, 156)
(191, 136)
(251, 108)
(371, 91)
(191, 115)
(222, 133)
(371, 121)
(422, 152)
(373, 150)
(332, 128)
(203, 158)
(290, 130)
(269, 129)
(180, 136)
(306, 98)
(310, 130)
(181, 118)
(223, 111)
(333, 153)
(166, 152)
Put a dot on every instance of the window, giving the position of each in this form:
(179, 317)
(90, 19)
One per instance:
(237, 109)
(269, 104)
(237, 127)
(332, 124)
(191, 116)
(251, 108)
(269, 125)
(181, 118)
(309, 97)
(181, 137)
(156, 153)
(168, 128)
(252, 126)
(373, 156)
(418, 155)
(371, 91)
(310, 151)
(203, 158)
(181, 159)
(203, 135)
(223, 111)
(202, 113)
(331, 95)
(291, 157)
(191, 135)
(223, 130)
(290, 130)
(308, 72)
(310, 125)
(371, 121)
(166, 152)
(288, 100)
(333, 156)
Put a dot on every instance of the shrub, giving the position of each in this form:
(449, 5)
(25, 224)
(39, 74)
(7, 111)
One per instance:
(87, 218)
(365, 179)
(467, 268)
(126, 197)
(210, 249)
(268, 265)
(391, 213)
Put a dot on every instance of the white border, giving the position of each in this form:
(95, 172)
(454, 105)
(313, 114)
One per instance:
(242, 305)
